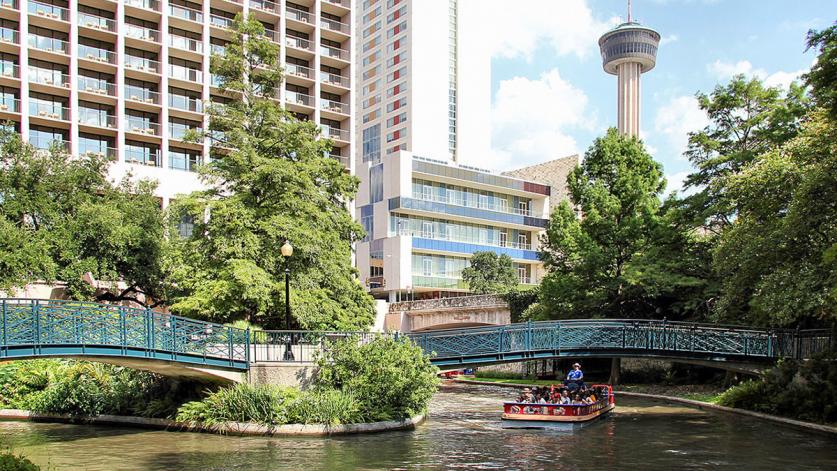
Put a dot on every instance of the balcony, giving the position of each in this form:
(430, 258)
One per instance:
(184, 103)
(425, 281)
(334, 106)
(336, 133)
(427, 204)
(43, 43)
(335, 53)
(142, 127)
(296, 98)
(153, 5)
(264, 5)
(220, 21)
(142, 64)
(49, 110)
(185, 44)
(46, 144)
(96, 118)
(185, 73)
(9, 70)
(9, 105)
(299, 71)
(93, 85)
(96, 54)
(215, 80)
(178, 11)
(48, 11)
(142, 33)
(142, 157)
(142, 95)
(428, 240)
(299, 15)
(333, 25)
(179, 131)
(10, 4)
(96, 22)
(299, 43)
(334, 79)
(108, 152)
(10, 36)
(49, 77)
(445, 237)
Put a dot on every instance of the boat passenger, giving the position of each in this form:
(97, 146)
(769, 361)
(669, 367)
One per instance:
(564, 398)
(575, 378)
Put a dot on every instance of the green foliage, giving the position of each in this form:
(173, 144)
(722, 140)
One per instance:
(12, 462)
(823, 74)
(329, 407)
(490, 273)
(265, 405)
(520, 300)
(389, 378)
(60, 218)
(269, 181)
(801, 390)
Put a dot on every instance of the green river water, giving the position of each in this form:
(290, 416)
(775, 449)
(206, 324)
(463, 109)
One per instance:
(462, 432)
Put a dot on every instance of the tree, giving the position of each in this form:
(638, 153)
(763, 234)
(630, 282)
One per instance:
(490, 273)
(60, 218)
(823, 74)
(747, 119)
(623, 258)
(269, 181)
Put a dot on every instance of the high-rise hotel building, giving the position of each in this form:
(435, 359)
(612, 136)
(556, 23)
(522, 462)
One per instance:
(426, 213)
(127, 78)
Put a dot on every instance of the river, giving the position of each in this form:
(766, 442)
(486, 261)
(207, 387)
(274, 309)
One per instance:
(462, 432)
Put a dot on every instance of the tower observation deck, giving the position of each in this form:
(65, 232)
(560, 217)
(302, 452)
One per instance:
(628, 51)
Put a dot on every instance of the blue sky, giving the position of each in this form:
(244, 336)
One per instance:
(550, 96)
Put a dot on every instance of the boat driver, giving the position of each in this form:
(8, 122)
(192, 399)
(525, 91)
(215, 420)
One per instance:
(575, 378)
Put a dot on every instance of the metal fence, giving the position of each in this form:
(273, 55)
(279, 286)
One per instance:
(304, 346)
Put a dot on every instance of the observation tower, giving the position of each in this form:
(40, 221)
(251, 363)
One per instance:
(628, 51)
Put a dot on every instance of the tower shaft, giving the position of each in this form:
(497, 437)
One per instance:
(628, 93)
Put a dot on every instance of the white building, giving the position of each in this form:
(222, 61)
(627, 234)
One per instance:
(127, 78)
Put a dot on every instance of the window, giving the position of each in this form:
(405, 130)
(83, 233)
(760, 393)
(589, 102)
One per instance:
(523, 206)
(395, 120)
(400, 88)
(503, 238)
(369, 73)
(95, 144)
(397, 59)
(142, 153)
(395, 135)
(178, 127)
(397, 104)
(397, 74)
(376, 183)
(483, 235)
(522, 240)
(427, 266)
(186, 226)
(484, 201)
(376, 271)
(43, 137)
(426, 192)
(522, 275)
(184, 159)
(399, 28)
(372, 143)
(372, 115)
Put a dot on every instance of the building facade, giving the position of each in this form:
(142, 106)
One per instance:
(128, 78)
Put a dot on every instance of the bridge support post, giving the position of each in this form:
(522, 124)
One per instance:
(615, 370)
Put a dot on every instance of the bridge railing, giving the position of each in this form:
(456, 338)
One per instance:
(71, 328)
(623, 335)
(304, 345)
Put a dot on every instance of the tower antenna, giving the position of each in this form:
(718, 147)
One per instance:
(629, 11)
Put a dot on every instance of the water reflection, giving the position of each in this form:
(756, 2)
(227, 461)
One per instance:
(463, 433)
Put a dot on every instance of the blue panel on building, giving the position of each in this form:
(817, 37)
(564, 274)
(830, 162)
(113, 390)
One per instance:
(476, 213)
(461, 247)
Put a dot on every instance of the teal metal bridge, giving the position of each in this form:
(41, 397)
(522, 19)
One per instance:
(54, 328)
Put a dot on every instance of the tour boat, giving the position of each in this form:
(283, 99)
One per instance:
(556, 416)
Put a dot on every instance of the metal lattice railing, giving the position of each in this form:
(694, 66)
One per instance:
(71, 328)
(637, 337)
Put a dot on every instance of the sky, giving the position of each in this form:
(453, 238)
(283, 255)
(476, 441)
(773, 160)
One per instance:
(550, 97)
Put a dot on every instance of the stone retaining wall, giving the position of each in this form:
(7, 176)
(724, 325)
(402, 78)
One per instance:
(229, 428)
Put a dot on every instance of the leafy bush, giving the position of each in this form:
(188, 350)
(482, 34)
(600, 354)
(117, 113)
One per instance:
(265, 405)
(390, 378)
(752, 395)
(500, 374)
(329, 407)
(10, 462)
(520, 300)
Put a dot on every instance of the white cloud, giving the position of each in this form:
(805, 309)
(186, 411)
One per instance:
(674, 182)
(669, 39)
(676, 119)
(726, 70)
(509, 32)
(531, 120)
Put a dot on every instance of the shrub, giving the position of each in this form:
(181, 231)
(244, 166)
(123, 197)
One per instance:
(10, 462)
(329, 407)
(752, 395)
(390, 378)
(265, 405)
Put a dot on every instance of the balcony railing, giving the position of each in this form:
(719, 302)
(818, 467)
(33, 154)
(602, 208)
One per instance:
(299, 15)
(469, 203)
(142, 127)
(49, 11)
(180, 102)
(143, 157)
(298, 71)
(96, 118)
(333, 25)
(9, 70)
(335, 133)
(271, 35)
(142, 95)
(264, 5)
(334, 52)
(12, 4)
(9, 105)
(44, 43)
(141, 33)
(93, 85)
(9, 35)
(49, 77)
(141, 64)
(109, 152)
(49, 110)
(48, 143)
(299, 98)
(434, 235)
(334, 79)
(187, 44)
(96, 54)
(214, 80)
(144, 4)
(298, 43)
(220, 21)
(96, 22)
(426, 281)
(342, 3)
(185, 73)
(186, 13)
(179, 131)
(334, 106)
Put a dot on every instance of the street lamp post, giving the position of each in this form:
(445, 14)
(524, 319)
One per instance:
(288, 250)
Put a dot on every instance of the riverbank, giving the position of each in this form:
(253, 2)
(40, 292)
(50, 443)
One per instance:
(695, 398)
(226, 428)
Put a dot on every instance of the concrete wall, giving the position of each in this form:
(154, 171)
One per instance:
(299, 375)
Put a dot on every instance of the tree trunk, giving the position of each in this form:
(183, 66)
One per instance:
(615, 368)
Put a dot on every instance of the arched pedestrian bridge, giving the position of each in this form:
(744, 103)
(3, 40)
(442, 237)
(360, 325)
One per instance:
(177, 346)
